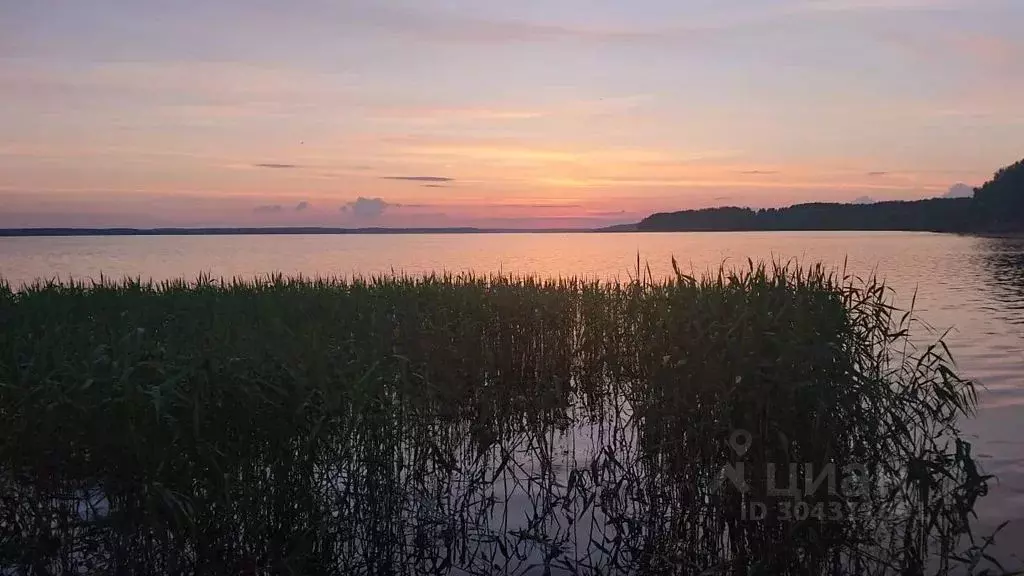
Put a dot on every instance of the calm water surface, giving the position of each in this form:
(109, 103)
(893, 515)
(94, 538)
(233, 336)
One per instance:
(975, 286)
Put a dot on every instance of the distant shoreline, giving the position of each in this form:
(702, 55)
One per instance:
(631, 228)
(270, 231)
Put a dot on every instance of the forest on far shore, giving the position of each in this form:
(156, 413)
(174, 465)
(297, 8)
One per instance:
(996, 207)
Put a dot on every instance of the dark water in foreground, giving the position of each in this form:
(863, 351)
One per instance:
(973, 285)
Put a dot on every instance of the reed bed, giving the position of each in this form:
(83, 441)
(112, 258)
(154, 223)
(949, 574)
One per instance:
(461, 424)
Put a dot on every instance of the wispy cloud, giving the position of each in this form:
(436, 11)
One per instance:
(268, 209)
(878, 173)
(419, 178)
(454, 28)
(888, 5)
(208, 89)
(451, 113)
(637, 182)
(989, 48)
(989, 52)
(302, 206)
(275, 165)
(498, 112)
(503, 154)
(435, 186)
(759, 172)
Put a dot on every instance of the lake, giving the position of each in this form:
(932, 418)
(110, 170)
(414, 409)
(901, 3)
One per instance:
(974, 286)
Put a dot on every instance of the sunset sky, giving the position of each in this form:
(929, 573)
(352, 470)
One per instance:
(532, 113)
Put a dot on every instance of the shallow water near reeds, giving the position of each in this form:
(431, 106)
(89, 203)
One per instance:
(973, 285)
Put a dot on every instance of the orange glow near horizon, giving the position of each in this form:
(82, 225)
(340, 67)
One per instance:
(432, 116)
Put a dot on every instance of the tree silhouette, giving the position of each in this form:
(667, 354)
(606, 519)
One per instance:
(1000, 201)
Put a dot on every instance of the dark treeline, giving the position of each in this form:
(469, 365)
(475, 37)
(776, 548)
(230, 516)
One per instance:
(996, 207)
(938, 215)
